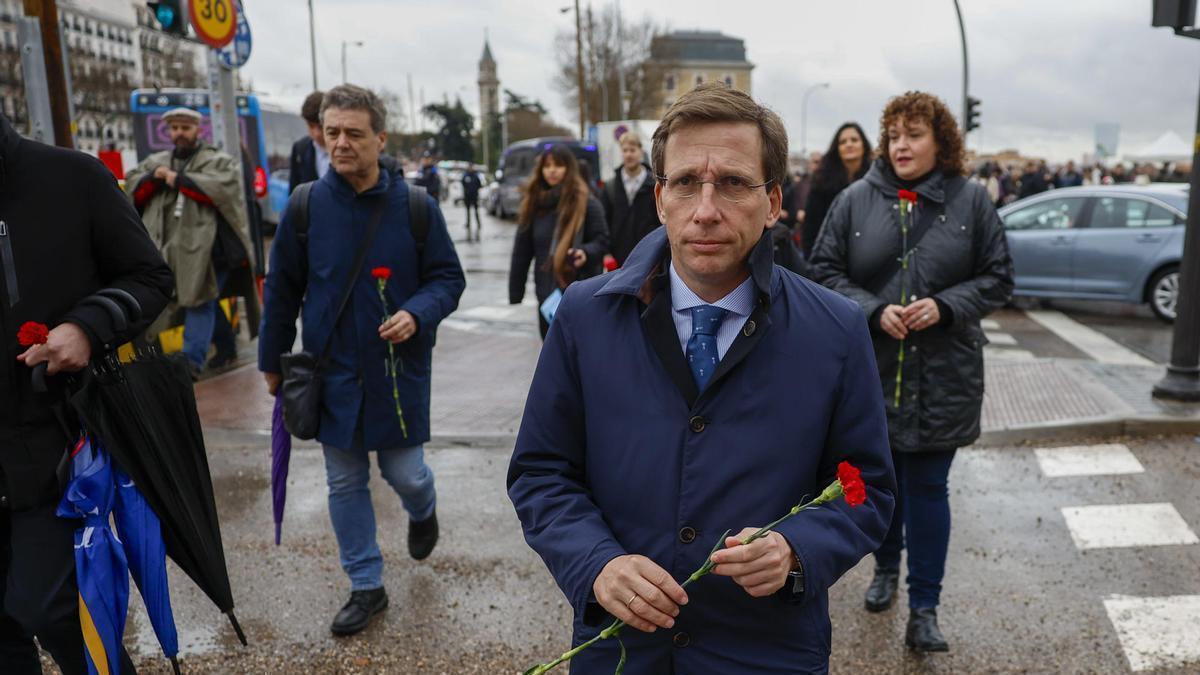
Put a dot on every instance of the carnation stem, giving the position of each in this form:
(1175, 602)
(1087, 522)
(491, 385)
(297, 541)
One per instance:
(391, 362)
(829, 494)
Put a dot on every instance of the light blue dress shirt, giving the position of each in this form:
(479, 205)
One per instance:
(739, 303)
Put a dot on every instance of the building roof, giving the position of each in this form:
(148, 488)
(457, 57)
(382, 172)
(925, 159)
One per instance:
(696, 45)
(487, 52)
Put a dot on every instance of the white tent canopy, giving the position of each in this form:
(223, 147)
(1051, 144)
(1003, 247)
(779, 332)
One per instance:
(1168, 148)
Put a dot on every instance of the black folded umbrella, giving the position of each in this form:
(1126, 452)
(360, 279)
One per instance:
(144, 413)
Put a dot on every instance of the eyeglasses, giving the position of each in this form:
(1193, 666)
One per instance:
(733, 189)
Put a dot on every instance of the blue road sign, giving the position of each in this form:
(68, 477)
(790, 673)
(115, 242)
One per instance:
(237, 53)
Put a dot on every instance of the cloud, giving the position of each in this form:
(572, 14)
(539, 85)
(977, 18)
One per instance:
(1047, 73)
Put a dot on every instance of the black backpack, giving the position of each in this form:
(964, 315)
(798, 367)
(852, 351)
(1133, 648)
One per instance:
(418, 217)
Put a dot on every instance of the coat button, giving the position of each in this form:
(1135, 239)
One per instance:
(687, 535)
(697, 424)
(748, 329)
(681, 639)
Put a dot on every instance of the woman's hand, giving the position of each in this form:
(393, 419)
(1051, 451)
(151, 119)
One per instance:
(892, 322)
(579, 255)
(921, 314)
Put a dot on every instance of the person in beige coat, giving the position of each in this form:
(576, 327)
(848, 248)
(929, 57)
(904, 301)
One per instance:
(193, 205)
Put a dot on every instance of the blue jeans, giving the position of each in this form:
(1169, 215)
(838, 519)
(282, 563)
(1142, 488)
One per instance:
(350, 510)
(922, 521)
(198, 324)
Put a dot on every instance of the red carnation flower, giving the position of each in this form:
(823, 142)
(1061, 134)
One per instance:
(852, 484)
(382, 273)
(908, 196)
(32, 333)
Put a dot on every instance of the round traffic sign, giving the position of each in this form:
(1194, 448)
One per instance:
(215, 21)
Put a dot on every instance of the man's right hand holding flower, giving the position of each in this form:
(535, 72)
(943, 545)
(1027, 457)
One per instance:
(636, 590)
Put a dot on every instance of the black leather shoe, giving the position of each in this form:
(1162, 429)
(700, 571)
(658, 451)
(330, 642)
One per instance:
(882, 591)
(357, 613)
(222, 360)
(422, 537)
(923, 634)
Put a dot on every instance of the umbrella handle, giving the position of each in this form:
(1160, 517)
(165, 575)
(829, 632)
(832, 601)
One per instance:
(39, 377)
(237, 628)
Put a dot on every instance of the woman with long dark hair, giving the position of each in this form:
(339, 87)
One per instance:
(922, 250)
(560, 227)
(846, 160)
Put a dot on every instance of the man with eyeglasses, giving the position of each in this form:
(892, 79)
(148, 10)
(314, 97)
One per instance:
(700, 389)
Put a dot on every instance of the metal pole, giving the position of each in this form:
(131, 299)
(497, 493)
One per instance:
(46, 12)
(412, 110)
(962, 31)
(33, 70)
(579, 71)
(804, 117)
(1182, 381)
(312, 43)
(621, 64)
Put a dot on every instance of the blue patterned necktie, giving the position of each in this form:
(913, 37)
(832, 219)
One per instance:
(702, 354)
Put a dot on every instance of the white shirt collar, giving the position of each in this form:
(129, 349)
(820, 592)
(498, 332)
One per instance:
(739, 301)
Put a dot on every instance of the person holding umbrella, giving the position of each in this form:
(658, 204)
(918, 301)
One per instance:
(57, 250)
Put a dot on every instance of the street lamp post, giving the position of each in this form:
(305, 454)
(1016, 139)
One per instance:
(804, 116)
(312, 43)
(355, 43)
(579, 68)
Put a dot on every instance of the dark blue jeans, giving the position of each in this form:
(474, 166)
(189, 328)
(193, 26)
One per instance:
(922, 521)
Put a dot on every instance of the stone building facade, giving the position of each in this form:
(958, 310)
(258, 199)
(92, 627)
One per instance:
(684, 59)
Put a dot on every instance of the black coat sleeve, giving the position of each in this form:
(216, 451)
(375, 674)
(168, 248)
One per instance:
(595, 233)
(294, 177)
(815, 209)
(518, 270)
(991, 285)
(126, 259)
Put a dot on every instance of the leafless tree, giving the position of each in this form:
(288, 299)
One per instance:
(607, 50)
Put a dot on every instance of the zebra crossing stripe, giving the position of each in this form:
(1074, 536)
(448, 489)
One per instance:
(1087, 460)
(1157, 633)
(1127, 525)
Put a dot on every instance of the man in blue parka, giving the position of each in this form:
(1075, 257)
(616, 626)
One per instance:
(701, 388)
(358, 413)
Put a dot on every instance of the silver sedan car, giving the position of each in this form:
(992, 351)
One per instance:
(1111, 242)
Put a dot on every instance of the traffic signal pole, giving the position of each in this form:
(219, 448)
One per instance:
(1182, 381)
(46, 12)
(966, 100)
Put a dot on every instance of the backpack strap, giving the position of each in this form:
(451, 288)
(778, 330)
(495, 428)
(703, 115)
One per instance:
(297, 211)
(418, 216)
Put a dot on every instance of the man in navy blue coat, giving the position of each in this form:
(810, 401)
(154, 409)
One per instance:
(358, 413)
(701, 388)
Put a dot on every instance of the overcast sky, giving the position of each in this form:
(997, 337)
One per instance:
(1047, 72)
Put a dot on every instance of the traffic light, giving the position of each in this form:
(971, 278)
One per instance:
(170, 16)
(1173, 13)
(972, 121)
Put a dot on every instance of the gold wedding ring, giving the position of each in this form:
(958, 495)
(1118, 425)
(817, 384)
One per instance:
(631, 599)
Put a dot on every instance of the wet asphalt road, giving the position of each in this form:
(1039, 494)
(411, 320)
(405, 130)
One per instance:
(1019, 596)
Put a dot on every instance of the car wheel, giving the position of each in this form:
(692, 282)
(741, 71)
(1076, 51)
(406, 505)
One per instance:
(1163, 293)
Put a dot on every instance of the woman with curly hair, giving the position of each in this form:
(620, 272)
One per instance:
(922, 250)
(560, 226)
(846, 160)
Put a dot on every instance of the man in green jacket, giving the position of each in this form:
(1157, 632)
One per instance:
(192, 203)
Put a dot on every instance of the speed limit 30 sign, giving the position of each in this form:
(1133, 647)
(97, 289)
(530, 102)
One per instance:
(215, 21)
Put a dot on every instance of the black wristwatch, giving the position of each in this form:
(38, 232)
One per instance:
(796, 577)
